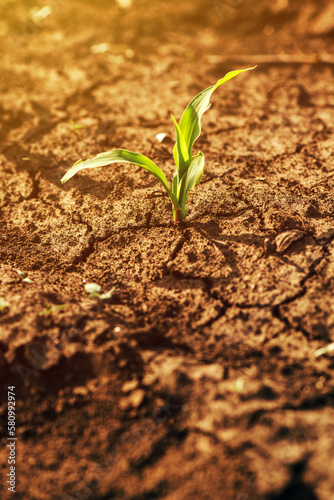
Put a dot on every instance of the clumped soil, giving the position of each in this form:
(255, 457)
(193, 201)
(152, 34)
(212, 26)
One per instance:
(198, 378)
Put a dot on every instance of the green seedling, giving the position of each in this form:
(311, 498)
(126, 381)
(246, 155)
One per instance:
(76, 127)
(93, 289)
(189, 167)
(51, 309)
(324, 350)
(24, 277)
(3, 304)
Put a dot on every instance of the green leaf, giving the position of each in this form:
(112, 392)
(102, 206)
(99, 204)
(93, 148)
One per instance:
(108, 294)
(51, 309)
(175, 182)
(190, 179)
(190, 123)
(24, 277)
(180, 151)
(324, 350)
(75, 127)
(122, 155)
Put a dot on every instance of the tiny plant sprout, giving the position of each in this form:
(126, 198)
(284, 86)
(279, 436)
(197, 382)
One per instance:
(24, 277)
(189, 167)
(3, 304)
(324, 350)
(93, 289)
(75, 127)
(51, 309)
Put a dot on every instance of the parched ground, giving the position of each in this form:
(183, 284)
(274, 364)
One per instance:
(198, 378)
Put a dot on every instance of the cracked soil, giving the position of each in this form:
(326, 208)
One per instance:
(198, 378)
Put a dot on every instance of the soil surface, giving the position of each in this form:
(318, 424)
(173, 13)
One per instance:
(199, 377)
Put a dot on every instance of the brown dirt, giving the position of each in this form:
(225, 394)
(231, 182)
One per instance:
(198, 378)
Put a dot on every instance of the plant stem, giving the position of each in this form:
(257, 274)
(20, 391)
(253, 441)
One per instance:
(177, 216)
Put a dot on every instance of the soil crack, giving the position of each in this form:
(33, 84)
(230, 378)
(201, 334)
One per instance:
(276, 310)
(86, 251)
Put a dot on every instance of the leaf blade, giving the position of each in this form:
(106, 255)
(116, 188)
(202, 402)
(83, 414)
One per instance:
(190, 122)
(190, 179)
(180, 151)
(117, 156)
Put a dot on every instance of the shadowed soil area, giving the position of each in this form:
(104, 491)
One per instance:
(199, 377)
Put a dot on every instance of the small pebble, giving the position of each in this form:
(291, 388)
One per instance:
(134, 400)
(129, 385)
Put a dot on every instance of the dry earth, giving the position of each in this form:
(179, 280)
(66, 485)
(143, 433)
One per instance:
(198, 378)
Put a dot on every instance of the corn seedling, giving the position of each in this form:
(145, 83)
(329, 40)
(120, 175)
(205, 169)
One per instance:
(94, 289)
(51, 309)
(189, 167)
(23, 276)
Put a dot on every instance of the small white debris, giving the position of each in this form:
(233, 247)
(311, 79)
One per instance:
(100, 48)
(123, 4)
(39, 15)
(162, 137)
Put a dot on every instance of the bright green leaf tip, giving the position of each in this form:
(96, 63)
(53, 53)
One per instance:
(189, 167)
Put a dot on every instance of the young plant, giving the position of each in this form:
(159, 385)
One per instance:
(94, 289)
(189, 168)
(24, 277)
(49, 310)
(3, 304)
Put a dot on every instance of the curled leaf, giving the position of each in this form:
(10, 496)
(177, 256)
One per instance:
(190, 123)
(122, 155)
(324, 350)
